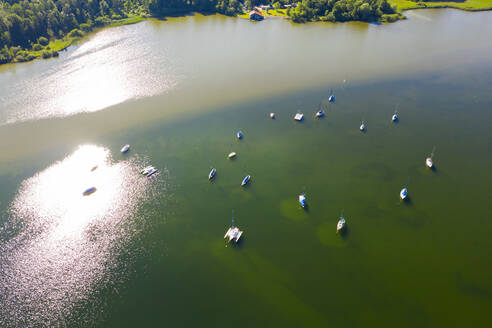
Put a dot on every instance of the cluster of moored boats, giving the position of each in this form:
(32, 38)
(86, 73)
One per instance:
(147, 171)
(233, 233)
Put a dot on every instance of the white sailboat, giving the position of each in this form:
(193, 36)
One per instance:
(302, 200)
(272, 116)
(331, 98)
(395, 117)
(233, 233)
(428, 161)
(245, 180)
(404, 192)
(341, 223)
(362, 127)
(320, 113)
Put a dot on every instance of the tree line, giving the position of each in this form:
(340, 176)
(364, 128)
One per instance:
(343, 11)
(26, 27)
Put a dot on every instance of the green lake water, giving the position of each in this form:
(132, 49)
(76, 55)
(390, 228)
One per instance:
(149, 252)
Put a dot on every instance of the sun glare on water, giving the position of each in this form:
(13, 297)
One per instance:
(65, 244)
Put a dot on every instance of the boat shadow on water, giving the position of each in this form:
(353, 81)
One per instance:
(407, 201)
(345, 232)
(238, 245)
(247, 185)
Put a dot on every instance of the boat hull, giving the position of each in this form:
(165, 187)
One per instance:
(125, 149)
(403, 194)
(299, 117)
(340, 225)
(245, 180)
(89, 191)
(302, 201)
(233, 234)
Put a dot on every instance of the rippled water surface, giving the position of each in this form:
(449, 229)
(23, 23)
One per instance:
(147, 252)
(64, 246)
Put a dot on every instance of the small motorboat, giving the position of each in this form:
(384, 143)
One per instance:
(320, 113)
(362, 127)
(148, 171)
(239, 134)
(245, 180)
(125, 148)
(429, 163)
(331, 98)
(299, 117)
(272, 116)
(302, 200)
(89, 191)
(341, 223)
(212, 173)
(394, 118)
(231, 155)
(151, 172)
(404, 193)
(233, 233)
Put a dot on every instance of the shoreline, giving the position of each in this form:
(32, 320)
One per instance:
(57, 45)
(468, 5)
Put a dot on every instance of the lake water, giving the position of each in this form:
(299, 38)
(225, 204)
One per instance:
(149, 252)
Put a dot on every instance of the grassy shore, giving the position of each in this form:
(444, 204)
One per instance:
(402, 5)
(268, 13)
(469, 5)
(127, 21)
(57, 45)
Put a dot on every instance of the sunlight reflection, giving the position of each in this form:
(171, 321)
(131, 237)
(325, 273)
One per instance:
(56, 193)
(106, 86)
(68, 245)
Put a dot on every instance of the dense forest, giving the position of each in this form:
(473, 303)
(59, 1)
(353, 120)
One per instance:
(27, 27)
(30, 29)
(342, 11)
